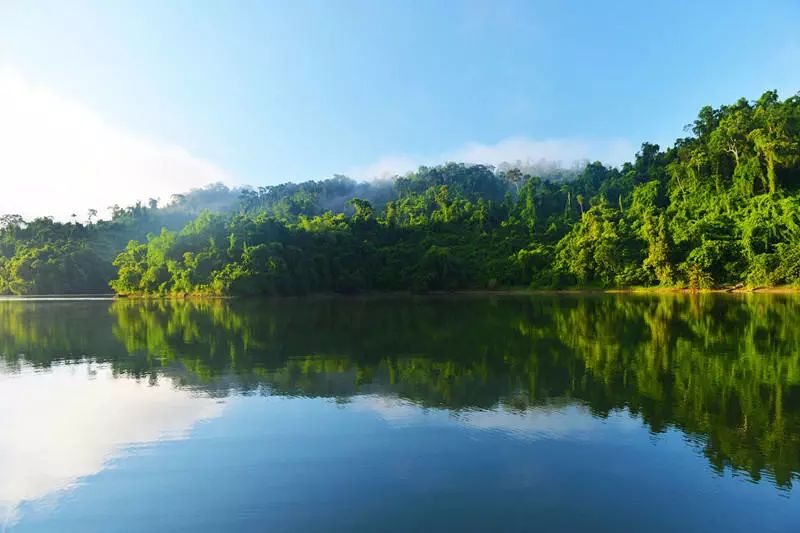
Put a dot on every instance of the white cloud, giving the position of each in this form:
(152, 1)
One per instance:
(71, 427)
(58, 157)
(543, 153)
(386, 167)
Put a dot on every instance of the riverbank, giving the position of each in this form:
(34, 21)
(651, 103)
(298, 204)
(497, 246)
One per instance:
(508, 291)
(630, 290)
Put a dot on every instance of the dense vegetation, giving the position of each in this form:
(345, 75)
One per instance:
(723, 369)
(720, 208)
(43, 256)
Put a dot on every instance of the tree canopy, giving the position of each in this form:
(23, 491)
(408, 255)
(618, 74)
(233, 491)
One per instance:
(719, 208)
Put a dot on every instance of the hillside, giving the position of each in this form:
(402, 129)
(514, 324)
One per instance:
(719, 208)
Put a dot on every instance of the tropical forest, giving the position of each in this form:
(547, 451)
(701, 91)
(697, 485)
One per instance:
(719, 209)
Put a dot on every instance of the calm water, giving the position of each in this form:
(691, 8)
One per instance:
(562, 413)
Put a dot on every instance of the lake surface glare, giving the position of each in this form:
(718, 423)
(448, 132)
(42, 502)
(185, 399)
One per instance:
(458, 413)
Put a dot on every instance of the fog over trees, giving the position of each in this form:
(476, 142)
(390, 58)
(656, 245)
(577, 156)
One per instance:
(718, 208)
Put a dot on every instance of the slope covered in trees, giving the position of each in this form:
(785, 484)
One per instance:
(43, 256)
(720, 207)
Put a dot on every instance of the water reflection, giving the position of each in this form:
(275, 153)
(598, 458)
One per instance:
(555, 420)
(72, 421)
(724, 370)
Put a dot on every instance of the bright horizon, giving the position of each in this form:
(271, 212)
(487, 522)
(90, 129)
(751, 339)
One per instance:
(110, 103)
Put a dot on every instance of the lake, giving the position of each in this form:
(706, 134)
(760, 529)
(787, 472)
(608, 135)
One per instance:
(477, 413)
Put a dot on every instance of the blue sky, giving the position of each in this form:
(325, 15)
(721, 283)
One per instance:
(264, 92)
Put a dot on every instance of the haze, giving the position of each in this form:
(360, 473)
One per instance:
(94, 110)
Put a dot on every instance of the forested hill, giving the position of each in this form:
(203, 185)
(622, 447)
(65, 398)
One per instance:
(719, 208)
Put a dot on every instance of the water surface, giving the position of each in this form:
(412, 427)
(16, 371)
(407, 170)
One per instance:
(605, 413)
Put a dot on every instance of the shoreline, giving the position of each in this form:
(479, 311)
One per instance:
(509, 291)
(638, 290)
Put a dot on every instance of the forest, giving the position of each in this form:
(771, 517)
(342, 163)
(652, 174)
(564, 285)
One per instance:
(720, 208)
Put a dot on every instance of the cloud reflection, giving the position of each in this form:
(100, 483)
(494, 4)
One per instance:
(566, 421)
(70, 421)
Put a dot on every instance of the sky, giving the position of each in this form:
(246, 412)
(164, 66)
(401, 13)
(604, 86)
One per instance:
(110, 102)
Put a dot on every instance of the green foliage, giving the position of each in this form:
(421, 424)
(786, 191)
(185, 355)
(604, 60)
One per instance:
(720, 208)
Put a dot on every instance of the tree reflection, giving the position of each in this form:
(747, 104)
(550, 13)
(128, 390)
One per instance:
(723, 369)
